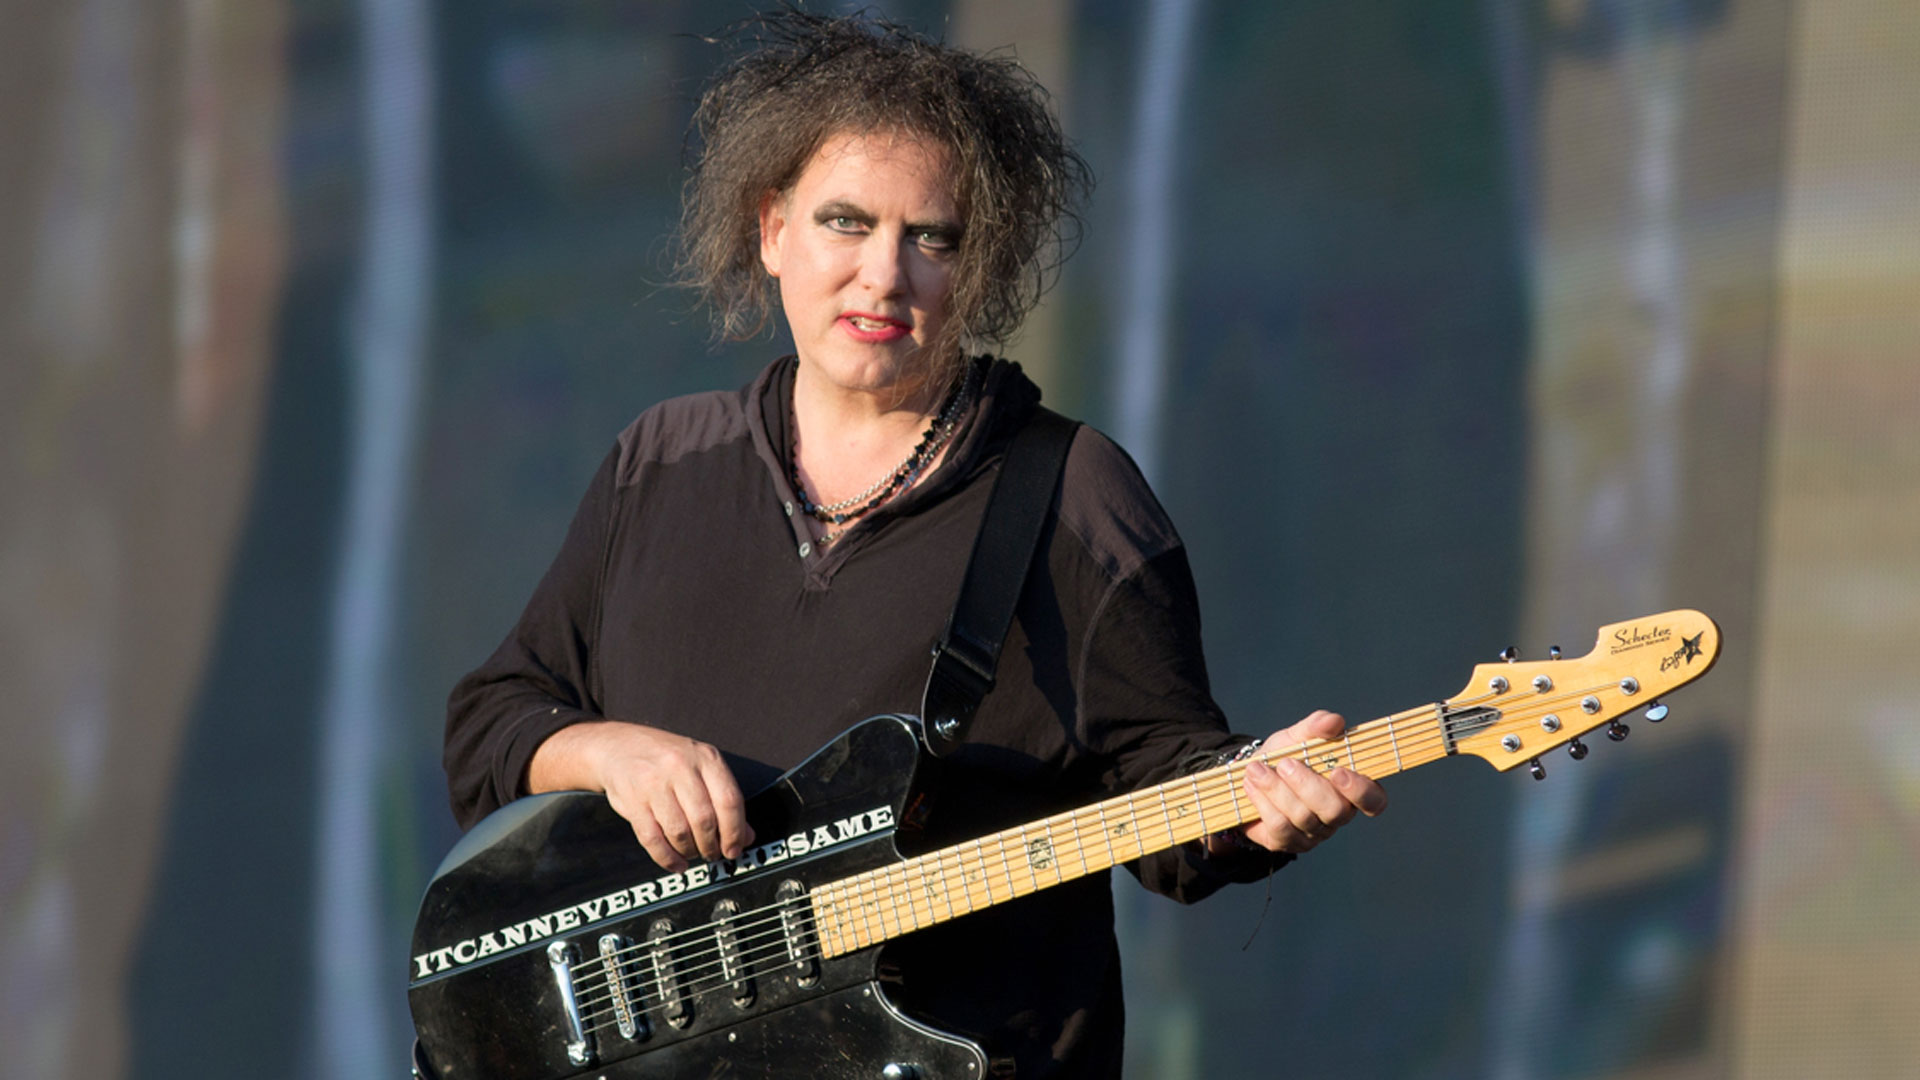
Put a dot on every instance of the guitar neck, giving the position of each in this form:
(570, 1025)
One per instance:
(1508, 714)
(867, 909)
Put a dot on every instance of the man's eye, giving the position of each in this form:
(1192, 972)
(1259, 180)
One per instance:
(843, 224)
(935, 240)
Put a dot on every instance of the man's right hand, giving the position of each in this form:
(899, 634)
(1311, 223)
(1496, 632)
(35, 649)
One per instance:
(676, 792)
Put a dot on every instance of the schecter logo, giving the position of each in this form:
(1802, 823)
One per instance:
(666, 887)
(1689, 648)
(1635, 638)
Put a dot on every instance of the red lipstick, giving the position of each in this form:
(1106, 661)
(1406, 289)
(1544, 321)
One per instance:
(872, 329)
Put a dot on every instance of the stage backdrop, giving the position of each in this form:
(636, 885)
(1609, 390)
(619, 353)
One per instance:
(1437, 326)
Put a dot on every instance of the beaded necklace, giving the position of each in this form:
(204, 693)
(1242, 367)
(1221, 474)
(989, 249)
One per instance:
(898, 479)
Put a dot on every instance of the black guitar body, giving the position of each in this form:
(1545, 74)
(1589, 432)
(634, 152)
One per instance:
(548, 945)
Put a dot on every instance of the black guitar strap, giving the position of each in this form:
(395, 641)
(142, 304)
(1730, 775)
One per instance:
(965, 656)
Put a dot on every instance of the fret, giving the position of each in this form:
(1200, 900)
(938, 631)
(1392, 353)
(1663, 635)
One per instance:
(931, 891)
(1130, 829)
(1080, 842)
(1199, 804)
(1105, 835)
(1166, 814)
(986, 876)
(928, 892)
(884, 905)
(908, 891)
(946, 885)
(971, 868)
(1007, 867)
(870, 912)
(1032, 855)
(1236, 784)
(1394, 740)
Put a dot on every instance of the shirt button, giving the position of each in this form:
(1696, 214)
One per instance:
(806, 549)
(789, 509)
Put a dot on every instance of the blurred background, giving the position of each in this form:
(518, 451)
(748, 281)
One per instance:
(1439, 326)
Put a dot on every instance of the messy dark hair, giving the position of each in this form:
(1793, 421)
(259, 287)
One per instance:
(796, 79)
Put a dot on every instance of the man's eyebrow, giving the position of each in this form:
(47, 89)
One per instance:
(840, 208)
(946, 226)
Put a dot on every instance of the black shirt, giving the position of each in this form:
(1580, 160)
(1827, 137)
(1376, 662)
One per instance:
(689, 595)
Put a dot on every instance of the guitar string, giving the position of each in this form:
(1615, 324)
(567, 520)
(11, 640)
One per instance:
(898, 875)
(897, 878)
(700, 981)
(895, 883)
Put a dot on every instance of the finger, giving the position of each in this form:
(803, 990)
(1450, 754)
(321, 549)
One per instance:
(703, 821)
(1286, 823)
(1317, 725)
(729, 807)
(654, 841)
(1366, 795)
(1324, 802)
(678, 830)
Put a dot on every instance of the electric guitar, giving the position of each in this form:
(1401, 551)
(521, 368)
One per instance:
(549, 946)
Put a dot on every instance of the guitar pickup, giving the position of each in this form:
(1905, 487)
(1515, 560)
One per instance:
(676, 1004)
(735, 971)
(629, 1018)
(796, 929)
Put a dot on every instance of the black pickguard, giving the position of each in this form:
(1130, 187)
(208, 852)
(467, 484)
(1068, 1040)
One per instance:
(559, 868)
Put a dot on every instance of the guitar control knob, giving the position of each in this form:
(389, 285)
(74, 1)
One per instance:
(1538, 770)
(897, 1071)
(1656, 712)
(1617, 731)
(1576, 750)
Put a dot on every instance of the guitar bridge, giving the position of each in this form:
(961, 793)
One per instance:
(628, 1016)
(734, 969)
(675, 1003)
(561, 957)
(796, 929)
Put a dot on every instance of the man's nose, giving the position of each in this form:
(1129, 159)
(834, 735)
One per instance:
(883, 264)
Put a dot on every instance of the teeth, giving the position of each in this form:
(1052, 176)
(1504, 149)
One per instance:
(870, 324)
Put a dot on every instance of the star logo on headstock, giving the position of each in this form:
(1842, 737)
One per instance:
(1690, 647)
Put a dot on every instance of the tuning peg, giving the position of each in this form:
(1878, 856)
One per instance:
(1617, 731)
(1656, 712)
(1553, 652)
(1576, 750)
(1509, 654)
(1538, 770)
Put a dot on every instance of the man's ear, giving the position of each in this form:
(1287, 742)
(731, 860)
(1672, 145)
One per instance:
(773, 223)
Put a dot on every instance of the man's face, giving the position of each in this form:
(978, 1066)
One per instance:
(863, 246)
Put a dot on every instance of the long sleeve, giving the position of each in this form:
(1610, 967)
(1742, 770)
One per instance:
(1146, 707)
(540, 678)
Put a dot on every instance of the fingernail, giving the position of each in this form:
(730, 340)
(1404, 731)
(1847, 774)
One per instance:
(1260, 769)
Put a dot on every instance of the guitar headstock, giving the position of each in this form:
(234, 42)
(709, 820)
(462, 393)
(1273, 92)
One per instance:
(1512, 712)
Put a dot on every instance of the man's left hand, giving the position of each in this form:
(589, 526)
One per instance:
(1299, 807)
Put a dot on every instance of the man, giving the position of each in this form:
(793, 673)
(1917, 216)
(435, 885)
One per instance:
(752, 572)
